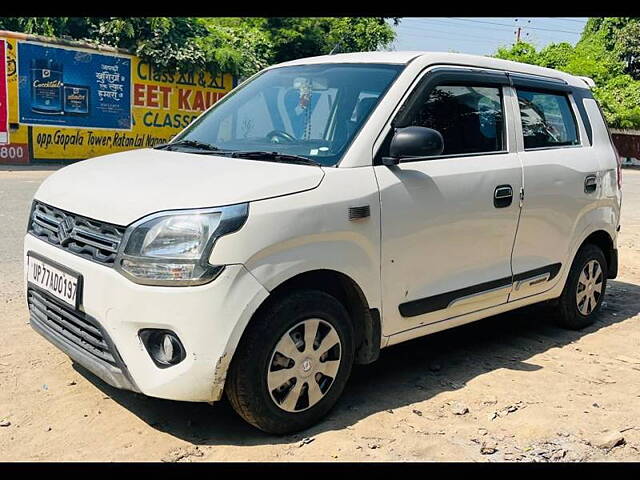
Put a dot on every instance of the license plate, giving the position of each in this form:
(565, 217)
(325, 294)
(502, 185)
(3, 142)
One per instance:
(54, 279)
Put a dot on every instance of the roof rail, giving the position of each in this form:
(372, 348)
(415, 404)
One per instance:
(589, 81)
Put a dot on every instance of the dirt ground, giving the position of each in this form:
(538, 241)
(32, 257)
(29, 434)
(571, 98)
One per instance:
(512, 387)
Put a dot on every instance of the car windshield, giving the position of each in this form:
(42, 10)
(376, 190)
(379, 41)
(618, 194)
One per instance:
(310, 111)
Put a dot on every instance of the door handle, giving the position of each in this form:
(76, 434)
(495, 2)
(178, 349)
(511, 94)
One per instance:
(590, 183)
(502, 196)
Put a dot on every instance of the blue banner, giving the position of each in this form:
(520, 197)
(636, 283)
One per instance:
(73, 88)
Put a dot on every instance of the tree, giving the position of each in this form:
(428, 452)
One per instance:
(237, 45)
(556, 55)
(609, 53)
(627, 47)
(356, 34)
(620, 101)
(168, 42)
(519, 52)
(298, 37)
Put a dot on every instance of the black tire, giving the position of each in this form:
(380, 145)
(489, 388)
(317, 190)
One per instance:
(246, 385)
(569, 315)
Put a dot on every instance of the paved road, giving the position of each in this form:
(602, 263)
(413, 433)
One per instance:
(532, 390)
(17, 186)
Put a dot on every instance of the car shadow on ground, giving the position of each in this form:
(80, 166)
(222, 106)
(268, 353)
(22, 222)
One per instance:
(408, 373)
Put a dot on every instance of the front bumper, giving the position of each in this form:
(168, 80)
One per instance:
(209, 320)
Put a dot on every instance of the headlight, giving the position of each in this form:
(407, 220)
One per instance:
(173, 247)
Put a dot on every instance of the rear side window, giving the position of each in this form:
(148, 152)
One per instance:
(547, 119)
(470, 119)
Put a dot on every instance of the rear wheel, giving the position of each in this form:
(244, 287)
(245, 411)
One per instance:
(585, 288)
(292, 363)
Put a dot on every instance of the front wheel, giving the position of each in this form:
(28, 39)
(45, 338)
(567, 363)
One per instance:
(293, 362)
(584, 291)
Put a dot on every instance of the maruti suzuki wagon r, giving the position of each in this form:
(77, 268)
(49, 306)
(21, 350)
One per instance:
(325, 209)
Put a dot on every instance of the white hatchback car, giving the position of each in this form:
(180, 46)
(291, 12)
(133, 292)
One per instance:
(327, 208)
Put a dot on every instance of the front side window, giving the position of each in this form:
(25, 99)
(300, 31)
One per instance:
(312, 111)
(470, 118)
(547, 120)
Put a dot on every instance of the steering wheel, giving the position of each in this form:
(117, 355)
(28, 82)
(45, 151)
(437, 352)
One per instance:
(275, 135)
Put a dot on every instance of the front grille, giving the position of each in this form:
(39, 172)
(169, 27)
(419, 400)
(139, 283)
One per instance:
(69, 325)
(92, 239)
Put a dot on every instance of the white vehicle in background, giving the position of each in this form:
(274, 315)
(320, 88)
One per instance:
(327, 208)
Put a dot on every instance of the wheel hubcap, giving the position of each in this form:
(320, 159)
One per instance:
(304, 365)
(589, 287)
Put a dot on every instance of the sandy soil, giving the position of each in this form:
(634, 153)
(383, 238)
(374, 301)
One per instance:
(512, 387)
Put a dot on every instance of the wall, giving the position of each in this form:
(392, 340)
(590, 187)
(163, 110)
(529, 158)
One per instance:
(627, 143)
(67, 101)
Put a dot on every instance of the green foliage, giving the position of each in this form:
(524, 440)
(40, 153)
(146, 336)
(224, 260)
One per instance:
(241, 46)
(620, 101)
(556, 55)
(609, 53)
(627, 46)
(47, 26)
(356, 34)
(519, 52)
(286, 38)
(168, 42)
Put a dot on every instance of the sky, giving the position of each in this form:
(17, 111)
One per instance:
(483, 35)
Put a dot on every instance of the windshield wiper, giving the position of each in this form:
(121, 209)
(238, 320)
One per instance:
(189, 143)
(273, 157)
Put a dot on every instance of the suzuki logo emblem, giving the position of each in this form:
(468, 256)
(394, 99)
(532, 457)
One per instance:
(65, 230)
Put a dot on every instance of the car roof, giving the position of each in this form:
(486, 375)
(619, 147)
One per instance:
(432, 58)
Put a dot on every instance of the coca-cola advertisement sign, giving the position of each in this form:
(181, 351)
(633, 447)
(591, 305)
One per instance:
(73, 88)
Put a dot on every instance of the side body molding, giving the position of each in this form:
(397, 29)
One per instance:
(447, 299)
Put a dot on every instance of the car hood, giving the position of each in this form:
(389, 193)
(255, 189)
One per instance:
(122, 187)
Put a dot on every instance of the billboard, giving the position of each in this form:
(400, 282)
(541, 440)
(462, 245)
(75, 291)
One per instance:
(73, 88)
(162, 104)
(4, 97)
(156, 105)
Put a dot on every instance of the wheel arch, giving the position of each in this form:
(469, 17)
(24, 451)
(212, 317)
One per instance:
(603, 240)
(366, 320)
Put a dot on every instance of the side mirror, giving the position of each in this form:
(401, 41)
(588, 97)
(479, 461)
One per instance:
(410, 142)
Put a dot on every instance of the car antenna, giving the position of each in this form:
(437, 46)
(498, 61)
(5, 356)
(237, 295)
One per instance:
(337, 45)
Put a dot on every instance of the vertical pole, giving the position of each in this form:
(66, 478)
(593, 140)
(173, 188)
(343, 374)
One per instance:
(30, 143)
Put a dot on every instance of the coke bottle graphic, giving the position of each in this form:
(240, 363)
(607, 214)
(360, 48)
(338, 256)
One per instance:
(46, 86)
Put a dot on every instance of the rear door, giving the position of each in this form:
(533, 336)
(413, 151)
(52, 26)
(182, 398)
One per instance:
(561, 180)
(449, 222)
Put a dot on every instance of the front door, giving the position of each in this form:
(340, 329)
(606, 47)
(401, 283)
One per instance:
(449, 222)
